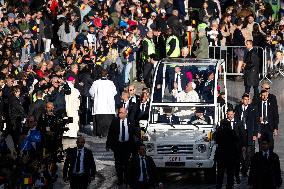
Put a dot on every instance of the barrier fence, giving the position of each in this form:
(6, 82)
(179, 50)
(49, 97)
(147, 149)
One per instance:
(234, 58)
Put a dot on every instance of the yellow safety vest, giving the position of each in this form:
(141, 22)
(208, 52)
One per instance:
(151, 48)
(176, 52)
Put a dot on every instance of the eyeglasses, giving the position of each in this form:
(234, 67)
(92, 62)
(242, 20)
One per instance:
(131, 90)
(267, 88)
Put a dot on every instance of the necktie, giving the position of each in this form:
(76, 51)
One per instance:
(266, 155)
(123, 131)
(244, 116)
(124, 104)
(264, 112)
(144, 170)
(143, 107)
(78, 161)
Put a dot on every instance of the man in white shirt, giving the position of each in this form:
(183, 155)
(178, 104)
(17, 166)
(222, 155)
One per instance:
(103, 92)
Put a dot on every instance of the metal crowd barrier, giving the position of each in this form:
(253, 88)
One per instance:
(231, 54)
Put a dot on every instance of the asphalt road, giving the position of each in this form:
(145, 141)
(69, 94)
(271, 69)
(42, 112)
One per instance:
(174, 179)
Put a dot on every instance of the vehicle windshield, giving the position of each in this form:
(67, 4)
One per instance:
(182, 115)
(184, 82)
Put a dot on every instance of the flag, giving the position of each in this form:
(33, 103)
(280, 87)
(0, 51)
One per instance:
(28, 180)
(34, 28)
(83, 6)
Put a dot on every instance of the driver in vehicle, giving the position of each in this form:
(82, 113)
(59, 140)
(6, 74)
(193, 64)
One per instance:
(199, 117)
(168, 117)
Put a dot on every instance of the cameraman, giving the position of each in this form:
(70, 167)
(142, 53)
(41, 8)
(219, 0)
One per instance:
(50, 128)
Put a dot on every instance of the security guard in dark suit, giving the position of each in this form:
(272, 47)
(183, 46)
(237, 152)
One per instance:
(226, 153)
(142, 171)
(79, 166)
(236, 126)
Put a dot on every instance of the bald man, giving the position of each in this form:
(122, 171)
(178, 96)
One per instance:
(79, 166)
(121, 140)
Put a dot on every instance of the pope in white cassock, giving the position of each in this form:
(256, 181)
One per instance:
(72, 108)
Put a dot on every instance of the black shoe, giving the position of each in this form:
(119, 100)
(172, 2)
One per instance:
(238, 180)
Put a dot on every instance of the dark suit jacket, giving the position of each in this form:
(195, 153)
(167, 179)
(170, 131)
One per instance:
(89, 163)
(251, 71)
(183, 79)
(16, 110)
(239, 133)
(114, 131)
(37, 108)
(132, 109)
(272, 113)
(142, 115)
(252, 121)
(134, 171)
(265, 173)
(163, 119)
(227, 140)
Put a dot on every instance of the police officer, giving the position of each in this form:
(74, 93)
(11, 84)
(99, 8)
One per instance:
(172, 45)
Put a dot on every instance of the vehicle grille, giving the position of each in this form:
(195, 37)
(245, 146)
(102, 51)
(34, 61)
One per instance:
(175, 149)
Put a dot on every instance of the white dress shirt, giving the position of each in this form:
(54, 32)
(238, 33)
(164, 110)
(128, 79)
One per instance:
(244, 108)
(81, 162)
(126, 131)
(177, 77)
(262, 112)
(232, 123)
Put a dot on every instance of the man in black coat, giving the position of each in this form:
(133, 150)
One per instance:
(226, 153)
(142, 171)
(265, 172)
(237, 127)
(37, 108)
(142, 112)
(251, 69)
(247, 114)
(121, 140)
(268, 117)
(79, 166)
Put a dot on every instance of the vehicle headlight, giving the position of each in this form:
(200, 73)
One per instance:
(201, 148)
(150, 147)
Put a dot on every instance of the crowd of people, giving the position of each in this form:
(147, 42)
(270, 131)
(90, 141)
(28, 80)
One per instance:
(66, 63)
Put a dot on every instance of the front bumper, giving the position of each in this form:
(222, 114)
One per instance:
(190, 164)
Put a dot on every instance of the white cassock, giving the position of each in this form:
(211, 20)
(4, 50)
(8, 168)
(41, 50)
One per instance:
(72, 108)
(103, 92)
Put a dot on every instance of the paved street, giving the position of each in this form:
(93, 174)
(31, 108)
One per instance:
(173, 180)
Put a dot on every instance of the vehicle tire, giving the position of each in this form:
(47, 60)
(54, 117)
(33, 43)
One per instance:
(210, 175)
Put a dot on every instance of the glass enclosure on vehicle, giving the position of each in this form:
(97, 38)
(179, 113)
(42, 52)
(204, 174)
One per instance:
(184, 88)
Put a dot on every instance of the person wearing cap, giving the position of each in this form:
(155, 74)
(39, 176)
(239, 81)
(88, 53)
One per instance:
(187, 95)
(142, 26)
(200, 117)
(11, 20)
(265, 171)
(72, 107)
(172, 44)
(161, 20)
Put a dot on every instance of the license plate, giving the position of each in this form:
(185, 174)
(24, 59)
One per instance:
(174, 159)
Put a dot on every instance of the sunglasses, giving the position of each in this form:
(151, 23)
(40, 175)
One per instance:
(131, 90)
